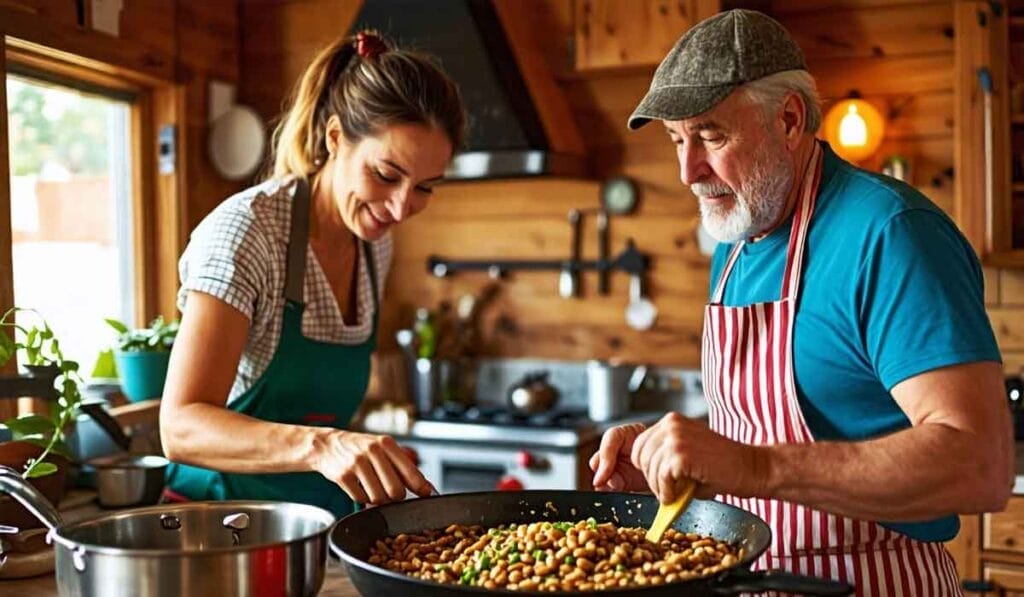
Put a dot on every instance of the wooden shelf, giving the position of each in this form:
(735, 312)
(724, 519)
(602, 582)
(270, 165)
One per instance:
(1008, 259)
(1017, 187)
(1017, 22)
(1017, 119)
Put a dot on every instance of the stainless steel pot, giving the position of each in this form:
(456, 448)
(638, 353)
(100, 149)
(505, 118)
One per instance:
(611, 388)
(126, 480)
(198, 548)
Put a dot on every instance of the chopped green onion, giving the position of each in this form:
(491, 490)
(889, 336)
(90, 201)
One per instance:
(620, 568)
(592, 523)
(570, 560)
(538, 554)
(512, 559)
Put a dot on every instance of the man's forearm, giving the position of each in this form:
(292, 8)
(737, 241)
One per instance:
(927, 471)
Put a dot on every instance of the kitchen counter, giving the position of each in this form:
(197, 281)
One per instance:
(336, 584)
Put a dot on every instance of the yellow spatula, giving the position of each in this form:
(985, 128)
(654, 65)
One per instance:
(668, 513)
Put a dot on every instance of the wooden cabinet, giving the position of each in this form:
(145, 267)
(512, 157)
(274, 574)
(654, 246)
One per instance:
(989, 144)
(990, 548)
(1006, 580)
(627, 33)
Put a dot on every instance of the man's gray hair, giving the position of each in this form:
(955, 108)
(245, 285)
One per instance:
(768, 92)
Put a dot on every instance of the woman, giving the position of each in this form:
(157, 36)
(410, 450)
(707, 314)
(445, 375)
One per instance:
(273, 355)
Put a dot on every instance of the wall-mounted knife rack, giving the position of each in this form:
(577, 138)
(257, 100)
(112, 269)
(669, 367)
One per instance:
(631, 261)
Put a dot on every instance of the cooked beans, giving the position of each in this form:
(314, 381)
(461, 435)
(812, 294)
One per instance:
(553, 556)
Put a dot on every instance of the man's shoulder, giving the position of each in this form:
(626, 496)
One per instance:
(867, 197)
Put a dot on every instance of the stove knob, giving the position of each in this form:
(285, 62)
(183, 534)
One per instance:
(413, 456)
(509, 483)
(525, 460)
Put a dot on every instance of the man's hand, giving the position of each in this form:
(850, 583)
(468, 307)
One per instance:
(612, 469)
(677, 448)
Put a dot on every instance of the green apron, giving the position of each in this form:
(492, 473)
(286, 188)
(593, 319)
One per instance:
(306, 383)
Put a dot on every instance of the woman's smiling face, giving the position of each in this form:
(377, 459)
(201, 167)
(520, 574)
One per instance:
(384, 179)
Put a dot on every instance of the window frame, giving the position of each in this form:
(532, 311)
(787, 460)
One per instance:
(155, 103)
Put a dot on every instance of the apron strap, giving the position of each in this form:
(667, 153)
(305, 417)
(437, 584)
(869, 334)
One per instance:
(801, 224)
(298, 238)
(733, 257)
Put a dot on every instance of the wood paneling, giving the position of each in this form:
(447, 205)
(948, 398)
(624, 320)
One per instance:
(142, 49)
(873, 31)
(281, 37)
(626, 33)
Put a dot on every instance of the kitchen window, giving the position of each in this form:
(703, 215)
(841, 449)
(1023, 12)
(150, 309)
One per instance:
(70, 153)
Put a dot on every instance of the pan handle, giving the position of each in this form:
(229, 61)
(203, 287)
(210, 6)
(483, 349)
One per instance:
(13, 485)
(108, 423)
(744, 581)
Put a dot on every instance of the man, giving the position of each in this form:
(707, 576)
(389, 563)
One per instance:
(853, 379)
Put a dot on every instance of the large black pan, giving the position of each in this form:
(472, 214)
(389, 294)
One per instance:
(353, 536)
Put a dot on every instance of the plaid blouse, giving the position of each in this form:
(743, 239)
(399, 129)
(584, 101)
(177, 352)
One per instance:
(238, 254)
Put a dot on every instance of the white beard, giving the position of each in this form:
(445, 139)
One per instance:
(759, 201)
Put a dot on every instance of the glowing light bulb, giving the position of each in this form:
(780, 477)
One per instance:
(853, 131)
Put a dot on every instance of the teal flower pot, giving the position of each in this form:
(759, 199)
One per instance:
(142, 374)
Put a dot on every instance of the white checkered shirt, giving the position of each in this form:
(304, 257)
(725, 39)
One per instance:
(238, 254)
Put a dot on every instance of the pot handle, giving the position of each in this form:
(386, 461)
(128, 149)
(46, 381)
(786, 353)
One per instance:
(109, 424)
(739, 581)
(13, 485)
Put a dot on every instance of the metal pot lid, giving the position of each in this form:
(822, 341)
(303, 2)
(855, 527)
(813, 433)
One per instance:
(153, 529)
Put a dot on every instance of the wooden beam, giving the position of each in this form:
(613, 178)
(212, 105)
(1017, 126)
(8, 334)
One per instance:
(34, 24)
(8, 408)
(518, 17)
(984, 220)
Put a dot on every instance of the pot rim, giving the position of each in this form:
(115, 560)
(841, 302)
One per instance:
(64, 540)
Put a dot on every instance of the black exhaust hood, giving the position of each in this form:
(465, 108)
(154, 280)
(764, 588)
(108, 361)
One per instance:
(505, 136)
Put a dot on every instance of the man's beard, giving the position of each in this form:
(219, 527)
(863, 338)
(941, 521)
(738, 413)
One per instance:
(758, 203)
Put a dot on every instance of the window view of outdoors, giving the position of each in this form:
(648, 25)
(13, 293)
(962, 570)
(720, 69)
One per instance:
(71, 211)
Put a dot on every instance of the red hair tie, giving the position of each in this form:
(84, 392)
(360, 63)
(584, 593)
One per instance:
(369, 44)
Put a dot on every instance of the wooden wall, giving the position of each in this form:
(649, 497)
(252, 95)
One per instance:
(897, 54)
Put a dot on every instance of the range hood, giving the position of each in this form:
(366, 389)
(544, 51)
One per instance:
(505, 136)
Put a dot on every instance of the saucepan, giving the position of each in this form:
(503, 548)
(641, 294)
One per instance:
(196, 549)
(123, 479)
(354, 535)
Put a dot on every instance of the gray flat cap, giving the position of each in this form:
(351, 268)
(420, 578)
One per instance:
(713, 58)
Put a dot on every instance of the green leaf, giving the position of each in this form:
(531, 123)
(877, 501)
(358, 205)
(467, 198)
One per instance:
(119, 327)
(61, 447)
(29, 425)
(41, 470)
(67, 366)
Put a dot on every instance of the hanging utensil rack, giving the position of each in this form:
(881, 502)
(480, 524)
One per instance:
(630, 260)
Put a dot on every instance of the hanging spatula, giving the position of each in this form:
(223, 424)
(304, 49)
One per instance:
(669, 513)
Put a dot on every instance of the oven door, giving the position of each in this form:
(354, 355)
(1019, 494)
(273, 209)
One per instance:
(458, 467)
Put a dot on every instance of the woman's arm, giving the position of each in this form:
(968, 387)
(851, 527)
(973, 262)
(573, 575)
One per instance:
(196, 428)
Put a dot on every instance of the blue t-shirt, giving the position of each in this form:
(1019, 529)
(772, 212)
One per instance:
(890, 289)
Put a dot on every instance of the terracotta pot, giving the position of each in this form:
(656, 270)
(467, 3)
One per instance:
(14, 455)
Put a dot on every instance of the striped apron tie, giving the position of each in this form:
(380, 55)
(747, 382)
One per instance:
(747, 368)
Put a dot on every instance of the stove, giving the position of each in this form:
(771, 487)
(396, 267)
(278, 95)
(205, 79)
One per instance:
(486, 448)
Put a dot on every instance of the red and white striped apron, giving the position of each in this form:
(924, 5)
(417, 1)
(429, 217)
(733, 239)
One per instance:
(747, 366)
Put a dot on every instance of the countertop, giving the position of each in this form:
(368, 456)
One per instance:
(336, 584)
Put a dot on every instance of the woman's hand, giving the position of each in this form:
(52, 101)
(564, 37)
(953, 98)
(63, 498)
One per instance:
(371, 469)
(611, 464)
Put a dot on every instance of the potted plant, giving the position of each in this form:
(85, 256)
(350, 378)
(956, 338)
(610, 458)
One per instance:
(38, 448)
(141, 356)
